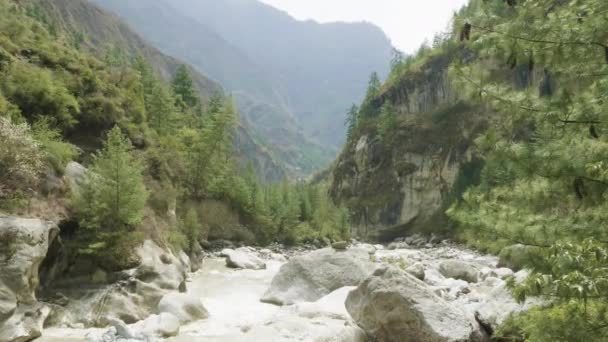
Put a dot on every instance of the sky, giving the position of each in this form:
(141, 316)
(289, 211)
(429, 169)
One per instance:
(407, 22)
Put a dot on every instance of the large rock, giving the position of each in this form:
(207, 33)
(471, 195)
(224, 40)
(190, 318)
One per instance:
(459, 270)
(499, 304)
(243, 258)
(23, 246)
(309, 277)
(134, 294)
(331, 306)
(163, 325)
(75, 174)
(393, 306)
(185, 307)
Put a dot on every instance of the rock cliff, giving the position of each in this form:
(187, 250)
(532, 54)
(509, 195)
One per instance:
(396, 187)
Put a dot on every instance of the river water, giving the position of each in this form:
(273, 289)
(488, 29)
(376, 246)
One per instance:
(236, 313)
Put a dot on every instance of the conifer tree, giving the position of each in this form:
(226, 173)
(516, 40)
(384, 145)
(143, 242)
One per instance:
(545, 182)
(352, 121)
(184, 87)
(110, 202)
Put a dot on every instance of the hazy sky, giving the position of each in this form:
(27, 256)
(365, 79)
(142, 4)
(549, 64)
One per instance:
(407, 22)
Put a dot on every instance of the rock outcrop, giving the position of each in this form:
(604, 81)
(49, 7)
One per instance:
(309, 277)
(23, 246)
(130, 295)
(400, 186)
(392, 305)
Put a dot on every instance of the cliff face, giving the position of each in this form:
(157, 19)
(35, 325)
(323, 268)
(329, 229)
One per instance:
(394, 188)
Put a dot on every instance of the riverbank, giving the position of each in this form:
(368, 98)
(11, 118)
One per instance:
(464, 291)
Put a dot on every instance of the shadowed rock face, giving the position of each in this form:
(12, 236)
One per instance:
(23, 246)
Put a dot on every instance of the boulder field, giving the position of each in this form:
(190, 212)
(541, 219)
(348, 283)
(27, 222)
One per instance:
(414, 291)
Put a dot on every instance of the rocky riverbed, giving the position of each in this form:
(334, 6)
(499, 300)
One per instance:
(416, 290)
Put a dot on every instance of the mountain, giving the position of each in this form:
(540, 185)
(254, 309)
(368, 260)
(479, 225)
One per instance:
(293, 88)
(323, 68)
(104, 33)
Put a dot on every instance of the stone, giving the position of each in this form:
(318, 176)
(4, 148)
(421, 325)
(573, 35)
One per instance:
(243, 258)
(417, 270)
(185, 307)
(499, 304)
(163, 325)
(459, 270)
(26, 323)
(501, 273)
(24, 244)
(122, 330)
(331, 306)
(397, 245)
(340, 245)
(392, 304)
(309, 277)
(74, 174)
(370, 249)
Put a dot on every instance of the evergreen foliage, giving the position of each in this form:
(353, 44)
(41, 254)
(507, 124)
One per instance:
(110, 203)
(544, 182)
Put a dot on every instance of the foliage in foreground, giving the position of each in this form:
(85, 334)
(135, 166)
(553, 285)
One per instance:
(545, 178)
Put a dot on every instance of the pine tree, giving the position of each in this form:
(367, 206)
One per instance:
(184, 88)
(110, 203)
(387, 122)
(116, 182)
(373, 86)
(352, 121)
(545, 181)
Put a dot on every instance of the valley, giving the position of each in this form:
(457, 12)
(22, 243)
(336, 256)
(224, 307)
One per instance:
(205, 170)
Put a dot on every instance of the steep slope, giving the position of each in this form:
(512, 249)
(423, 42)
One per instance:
(260, 101)
(322, 68)
(394, 186)
(103, 33)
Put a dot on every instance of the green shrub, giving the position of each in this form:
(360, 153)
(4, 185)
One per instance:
(58, 152)
(21, 158)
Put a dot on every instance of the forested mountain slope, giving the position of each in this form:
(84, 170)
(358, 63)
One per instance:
(105, 35)
(496, 136)
(294, 98)
(163, 160)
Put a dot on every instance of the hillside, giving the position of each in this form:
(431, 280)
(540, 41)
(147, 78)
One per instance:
(104, 34)
(294, 100)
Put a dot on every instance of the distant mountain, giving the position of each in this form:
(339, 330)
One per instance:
(292, 80)
(322, 68)
(103, 31)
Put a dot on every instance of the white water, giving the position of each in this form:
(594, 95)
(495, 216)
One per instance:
(236, 313)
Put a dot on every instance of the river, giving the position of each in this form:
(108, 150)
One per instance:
(236, 313)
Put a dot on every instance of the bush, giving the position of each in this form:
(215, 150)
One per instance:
(58, 152)
(20, 158)
(36, 92)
